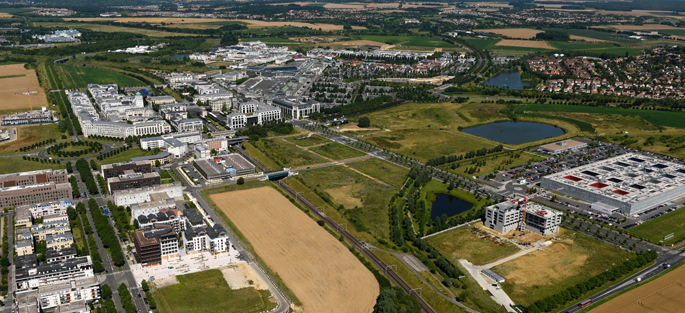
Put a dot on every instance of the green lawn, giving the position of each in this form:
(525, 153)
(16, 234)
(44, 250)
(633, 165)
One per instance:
(306, 141)
(663, 118)
(482, 44)
(462, 243)
(383, 170)
(207, 291)
(593, 34)
(18, 164)
(126, 156)
(29, 135)
(410, 41)
(424, 144)
(76, 77)
(574, 259)
(573, 45)
(337, 151)
(492, 163)
(286, 154)
(672, 32)
(656, 229)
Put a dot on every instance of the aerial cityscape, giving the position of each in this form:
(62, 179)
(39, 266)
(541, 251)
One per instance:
(342, 156)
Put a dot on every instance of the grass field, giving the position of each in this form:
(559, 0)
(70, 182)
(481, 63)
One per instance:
(21, 80)
(17, 164)
(306, 141)
(462, 243)
(28, 135)
(260, 156)
(482, 44)
(592, 34)
(383, 170)
(126, 156)
(566, 262)
(76, 77)
(524, 44)
(574, 45)
(286, 154)
(410, 41)
(492, 163)
(114, 29)
(670, 119)
(364, 199)
(207, 291)
(656, 229)
(318, 268)
(412, 143)
(336, 151)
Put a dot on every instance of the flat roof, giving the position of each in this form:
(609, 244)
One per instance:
(157, 156)
(237, 161)
(564, 144)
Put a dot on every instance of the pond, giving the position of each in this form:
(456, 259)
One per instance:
(448, 205)
(514, 132)
(507, 79)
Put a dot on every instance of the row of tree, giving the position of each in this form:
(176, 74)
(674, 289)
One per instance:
(468, 155)
(90, 147)
(36, 145)
(88, 232)
(113, 152)
(74, 186)
(106, 231)
(126, 301)
(87, 176)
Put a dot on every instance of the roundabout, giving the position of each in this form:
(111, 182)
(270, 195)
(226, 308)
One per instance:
(74, 149)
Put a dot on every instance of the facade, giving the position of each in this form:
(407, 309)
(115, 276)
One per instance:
(297, 111)
(213, 239)
(166, 217)
(183, 124)
(133, 180)
(630, 183)
(59, 242)
(37, 193)
(146, 194)
(161, 100)
(116, 169)
(506, 216)
(176, 144)
(562, 146)
(251, 113)
(53, 273)
(162, 157)
(34, 177)
(153, 245)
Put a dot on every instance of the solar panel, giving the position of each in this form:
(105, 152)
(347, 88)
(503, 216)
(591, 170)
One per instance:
(614, 180)
(636, 160)
(648, 170)
(659, 166)
(669, 176)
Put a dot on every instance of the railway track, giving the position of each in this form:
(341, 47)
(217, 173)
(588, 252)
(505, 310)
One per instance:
(357, 244)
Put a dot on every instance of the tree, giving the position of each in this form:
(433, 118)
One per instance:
(364, 122)
(145, 285)
(157, 164)
(93, 165)
(241, 181)
(106, 292)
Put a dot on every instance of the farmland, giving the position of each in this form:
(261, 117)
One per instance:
(521, 33)
(319, 269)
(76, 77)
(207, 291)
(410, 41)
(14, 78)
(656, 229)
(524, 44)
(483, 44)
(113, 29)
(250, 23)
(462, 243)
(664, 294)
(574, 258)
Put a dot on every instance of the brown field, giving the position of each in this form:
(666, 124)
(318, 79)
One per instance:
(665, 294)
(640, 27)
(319, 269)
(524, 44)
(5, 15)
(10, 85)
(383, 5)
(492, 4)
(251, 23)
(523, 33)
(362, 42)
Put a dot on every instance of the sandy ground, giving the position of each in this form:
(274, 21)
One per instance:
(320, 270)
(523, 33)
(11, 85)
(166, 281)
(664, 294)
(524, 43)
(251, 23)
(187, 264)
(240, 275)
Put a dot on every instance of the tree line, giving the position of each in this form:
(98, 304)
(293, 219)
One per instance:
(88, 233)
(106, 232)
(468, 155)
(91, 147)
(87, 176)
(36, 145)
(113, 152)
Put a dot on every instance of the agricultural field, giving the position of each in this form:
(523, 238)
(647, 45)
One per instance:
(14, 78)
(664, 294)
(318, 268)
(383, 170)
(29, 135)
(115, 29)
(410, 41)
(524, 44)
(571, 45)
(208, 291)
(184, 21)
(593, 34)
(483, 44)
(521, 33)
(286, 154)
(656, 229)
(364, 199)
(336, 151)
(78, 77)
(18, 164)
(306, 140)
(573, 259)
(464, 243)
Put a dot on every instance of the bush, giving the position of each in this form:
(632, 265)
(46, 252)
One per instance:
(241, 181)
(364, 122)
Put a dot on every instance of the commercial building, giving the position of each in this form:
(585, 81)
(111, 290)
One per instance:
(33, 177)
(116, 169)
(562, 146)
(492, 275)
(36, 193)
(67, 35)
(253, 113)
(162, 157)
(155, 244)
(507, 216)
(130, 180)
(161, 100)
(145, 194)
(295, 110)
(176, 144)
(630, 183)
(224, 166)
(184, 124)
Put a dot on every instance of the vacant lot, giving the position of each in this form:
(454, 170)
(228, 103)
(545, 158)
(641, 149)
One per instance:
(656, 229)
(462, 243)
(383, 170)
(75, 77)
(424, 144)
(336, 151)
(524, 44)
(664, 294)
(207, 291)
(286, 154)
(28, 135)
(565, 263)
(17, 79)
(319, 269)
(307, 140)
(18, 164)
(410, 41)
(523, 33)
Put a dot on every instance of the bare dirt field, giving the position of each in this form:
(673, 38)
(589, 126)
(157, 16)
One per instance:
(319, 269)
(524, 44)
(15, 78)
(289, 3)
(251, 23)
(665, 294)
(523, 33)
(242, 275)
(363, 42)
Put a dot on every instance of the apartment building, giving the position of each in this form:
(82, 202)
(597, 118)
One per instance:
(155, 244)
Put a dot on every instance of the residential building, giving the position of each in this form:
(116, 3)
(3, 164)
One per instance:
(59, 242)
(155, 244)
(206, 238)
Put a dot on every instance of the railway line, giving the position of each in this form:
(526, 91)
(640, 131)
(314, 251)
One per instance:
(357, 244)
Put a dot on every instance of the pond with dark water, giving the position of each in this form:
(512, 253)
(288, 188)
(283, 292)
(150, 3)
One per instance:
(514, 132)
(512, 80)
(448, 205)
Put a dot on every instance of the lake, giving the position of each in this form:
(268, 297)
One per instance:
(448, 205)
(514, 132)
(507, 79)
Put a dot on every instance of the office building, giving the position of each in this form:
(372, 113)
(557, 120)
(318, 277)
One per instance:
(37, 193)
(507, 216)
(146, 194)
(34, 177)
(155, 244)
(130, 180)
(116, 169)
(562, 146)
